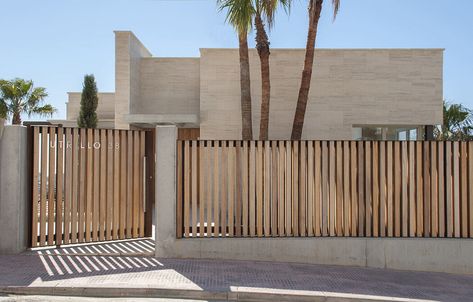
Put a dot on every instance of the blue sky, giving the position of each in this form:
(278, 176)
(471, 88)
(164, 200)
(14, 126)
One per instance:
(56, 42)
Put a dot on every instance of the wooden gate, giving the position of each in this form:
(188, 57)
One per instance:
(88, 185)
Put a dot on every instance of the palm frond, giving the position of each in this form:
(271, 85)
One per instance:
(46, 110)
(240, 13)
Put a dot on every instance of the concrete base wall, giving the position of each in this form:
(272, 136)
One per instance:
(419, 254)
(14, 190)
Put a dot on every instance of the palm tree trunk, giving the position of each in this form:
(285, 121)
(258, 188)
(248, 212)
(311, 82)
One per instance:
(315, 8)
(16, 119)
(262, 45)
(246, 115)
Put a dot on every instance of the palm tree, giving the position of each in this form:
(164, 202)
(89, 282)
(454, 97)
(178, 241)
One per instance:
(315, 9)
(20, 96)
(457, 123)
(239, 15)
(243, 13)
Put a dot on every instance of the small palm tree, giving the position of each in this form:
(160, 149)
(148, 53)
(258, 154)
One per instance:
(19, 97)
(457, 123)
(315, 9)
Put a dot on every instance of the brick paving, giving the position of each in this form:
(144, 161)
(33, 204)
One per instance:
(51, 268)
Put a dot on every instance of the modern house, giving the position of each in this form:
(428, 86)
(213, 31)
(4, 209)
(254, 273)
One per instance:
(355, 93)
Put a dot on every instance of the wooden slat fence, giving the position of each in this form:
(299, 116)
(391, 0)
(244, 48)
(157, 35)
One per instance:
(324, 188)
(88, 185)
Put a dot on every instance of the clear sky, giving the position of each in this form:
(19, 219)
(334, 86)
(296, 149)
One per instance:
(56, 42)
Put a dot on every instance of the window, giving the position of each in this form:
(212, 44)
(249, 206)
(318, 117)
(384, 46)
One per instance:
(385, 132)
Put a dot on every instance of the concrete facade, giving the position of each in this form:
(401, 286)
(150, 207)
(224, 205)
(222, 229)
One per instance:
(350, 88)
(14, 190)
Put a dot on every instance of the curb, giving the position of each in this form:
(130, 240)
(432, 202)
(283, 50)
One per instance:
(235, 294)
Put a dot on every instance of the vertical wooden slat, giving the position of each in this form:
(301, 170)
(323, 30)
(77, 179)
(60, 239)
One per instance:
(434, 188)
(52, 183)
(375, 213)
(60, 214)
(389, 189)
(310, 189)
(397, 189)
(382, 189)
(95, 208)
(117, 150)
(194, 188)
(35, 195)
(231, 188)
(252, 184)
(281, 192)
(317, 188)
(129, 186)
(361, 189)
(68, 185)
(302, 189)
(110, 210)
(201, 183)
(75, 183)
(404, 196)
(43, 189)
(274, 188)
(208, 179)
(463, 190)
(216, 199)
(470, 185)
(368, 191)
(239, 189)
(295, 188)
(456, 189)
(332, 188)
(412, 190)
(325, 189)
(180, 191)
(441, 188)
(245, 178)
(142, 179)
(89, 185)
(339, 189)
(419, 187)
(267, 189)
(354, 188)
(427, 180)
(224, 189)
(448, 189)
(103, 185)
(123, 184)
(288, 179)
(136, 184)
(187, 189)
(259, 189)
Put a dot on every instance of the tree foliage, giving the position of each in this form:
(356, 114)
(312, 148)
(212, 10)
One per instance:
(18, 96)
(457, 123)
(88, 103)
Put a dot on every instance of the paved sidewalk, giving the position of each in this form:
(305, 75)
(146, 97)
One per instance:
(52, 273)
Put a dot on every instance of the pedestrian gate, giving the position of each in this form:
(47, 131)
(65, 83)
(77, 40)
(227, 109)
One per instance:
(90, 184)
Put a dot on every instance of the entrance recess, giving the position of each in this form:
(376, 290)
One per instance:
(90, 185)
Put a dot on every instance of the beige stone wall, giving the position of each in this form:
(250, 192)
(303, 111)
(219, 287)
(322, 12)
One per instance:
(349, 87)
(128, 53)
(169, 86)
(105, 108)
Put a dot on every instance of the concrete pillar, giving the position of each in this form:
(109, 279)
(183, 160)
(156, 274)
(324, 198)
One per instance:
(165, 208)
(14, 190)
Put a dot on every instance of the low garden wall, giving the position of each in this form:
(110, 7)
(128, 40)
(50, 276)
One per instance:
(399, 205)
